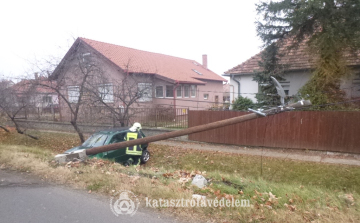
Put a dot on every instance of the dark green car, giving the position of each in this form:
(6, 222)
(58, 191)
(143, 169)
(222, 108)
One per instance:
(107, 137)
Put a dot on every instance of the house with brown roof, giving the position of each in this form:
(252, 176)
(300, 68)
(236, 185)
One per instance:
(38, 96)
(165, 80)
(300, 65)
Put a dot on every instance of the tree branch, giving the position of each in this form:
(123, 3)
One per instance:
(4, 128)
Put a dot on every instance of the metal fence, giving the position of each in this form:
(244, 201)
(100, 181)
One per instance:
(49, 113)
(161, 117)
(166, 117)
(314, 130)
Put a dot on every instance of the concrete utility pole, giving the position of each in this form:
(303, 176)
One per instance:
(82, 154)
(195, 129)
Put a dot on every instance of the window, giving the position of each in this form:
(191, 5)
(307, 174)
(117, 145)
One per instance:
(216, 99)
(118, 138)
(73, 94)
(286, 89)
(178, 92)
(206, 96)
(197, 72)
(95, 140)
(159, 92)
(85, 57)
(169, 91)
(47, 99)
(286, 86)
(106, 93)
(193, 90)
(355, 88)
(145, 90)
(186, 91)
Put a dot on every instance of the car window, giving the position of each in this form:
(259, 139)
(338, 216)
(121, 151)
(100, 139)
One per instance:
(95, 140)
(118, 138)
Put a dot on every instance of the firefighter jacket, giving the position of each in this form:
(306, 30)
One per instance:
(133, 150)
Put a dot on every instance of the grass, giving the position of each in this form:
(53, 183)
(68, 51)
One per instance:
(304, 191)
(327, 176)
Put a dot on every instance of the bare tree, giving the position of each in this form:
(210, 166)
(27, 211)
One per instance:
(70, 86)
(121, 95)
(14, 100)
(87, 87)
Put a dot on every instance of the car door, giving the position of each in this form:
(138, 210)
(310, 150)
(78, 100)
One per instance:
(120, 152)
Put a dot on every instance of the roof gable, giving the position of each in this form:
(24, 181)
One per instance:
(297, 59)
(168, 67)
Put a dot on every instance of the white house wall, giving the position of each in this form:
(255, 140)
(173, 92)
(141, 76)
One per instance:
(295, 80)
(248, 87)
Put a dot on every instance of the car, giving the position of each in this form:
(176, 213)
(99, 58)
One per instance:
(106, 137)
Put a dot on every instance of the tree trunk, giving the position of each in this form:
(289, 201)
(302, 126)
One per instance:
(78, 131)
(20, 131)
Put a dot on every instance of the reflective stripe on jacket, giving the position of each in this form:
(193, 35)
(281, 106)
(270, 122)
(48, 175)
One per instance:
(133, 150)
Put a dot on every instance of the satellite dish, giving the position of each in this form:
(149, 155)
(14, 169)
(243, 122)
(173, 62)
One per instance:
(280, 90)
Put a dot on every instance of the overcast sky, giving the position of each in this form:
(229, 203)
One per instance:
(224, 30)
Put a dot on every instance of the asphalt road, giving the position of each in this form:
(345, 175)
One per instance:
(25, 198)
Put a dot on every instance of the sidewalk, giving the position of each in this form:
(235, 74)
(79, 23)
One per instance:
(303, 155)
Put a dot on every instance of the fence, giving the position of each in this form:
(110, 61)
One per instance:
(49, 113)
(150, 117)
(314, 130)
(160, 117)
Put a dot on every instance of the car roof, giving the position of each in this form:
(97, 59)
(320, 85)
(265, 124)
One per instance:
(114, 130)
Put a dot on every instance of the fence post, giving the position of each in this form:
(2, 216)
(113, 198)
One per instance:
(156, 117)
(113, 119)
(52, 111)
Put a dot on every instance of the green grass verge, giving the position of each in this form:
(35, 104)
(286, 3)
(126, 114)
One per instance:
(327, 176)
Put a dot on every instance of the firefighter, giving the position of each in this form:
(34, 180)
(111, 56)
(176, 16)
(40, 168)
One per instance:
(134, 151)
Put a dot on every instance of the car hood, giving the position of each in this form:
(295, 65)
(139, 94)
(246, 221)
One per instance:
(76, 148)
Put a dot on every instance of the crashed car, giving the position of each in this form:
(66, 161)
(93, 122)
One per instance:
(107, 137)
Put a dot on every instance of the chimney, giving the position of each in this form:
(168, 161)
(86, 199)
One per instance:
(36, 76)
(204, 62)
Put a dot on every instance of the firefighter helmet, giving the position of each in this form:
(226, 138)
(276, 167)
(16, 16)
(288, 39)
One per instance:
(136, 126)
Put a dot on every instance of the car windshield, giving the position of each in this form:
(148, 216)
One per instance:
(95, 140)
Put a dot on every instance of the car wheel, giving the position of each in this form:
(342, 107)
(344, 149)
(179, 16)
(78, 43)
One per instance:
(145, 156)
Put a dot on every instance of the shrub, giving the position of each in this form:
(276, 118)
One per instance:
(242, 103)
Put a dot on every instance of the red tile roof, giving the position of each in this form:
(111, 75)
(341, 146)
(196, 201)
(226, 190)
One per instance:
(24, 86)
(174, 68)
(297, 59)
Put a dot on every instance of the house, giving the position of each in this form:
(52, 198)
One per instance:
(39, 97)
(165, 80)
(5, 84)
(300, 66)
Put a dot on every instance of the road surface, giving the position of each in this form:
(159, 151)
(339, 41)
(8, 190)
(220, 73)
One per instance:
(25, 198)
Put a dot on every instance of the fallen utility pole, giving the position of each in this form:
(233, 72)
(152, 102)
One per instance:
(195, 129)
